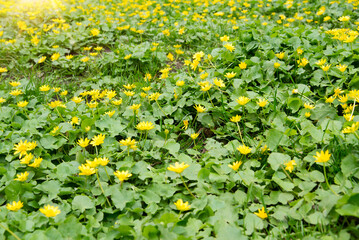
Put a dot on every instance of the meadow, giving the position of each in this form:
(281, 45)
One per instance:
(179, 119)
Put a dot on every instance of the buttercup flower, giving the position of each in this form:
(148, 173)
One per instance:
(36, 162)
(182, 206)
(145, 126)
(50, 211)
(243, 149)
(236, 118)
(97, 140)
(290, 165)
(235, 165)
(86, 170)
(14, 206)
(242, 100)
(83, 142)
(200, 108)
(322, 157)
(178, 167)
(194, 136)
(261, 213)
(122, 175)
(22, 177)
(262, 102)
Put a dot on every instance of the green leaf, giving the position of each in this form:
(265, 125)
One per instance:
(350, 165)
(294, 104)
(277, 159)
(82, 203)
(252, 222)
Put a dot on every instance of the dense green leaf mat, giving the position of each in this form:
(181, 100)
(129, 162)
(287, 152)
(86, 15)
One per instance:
(179, 119)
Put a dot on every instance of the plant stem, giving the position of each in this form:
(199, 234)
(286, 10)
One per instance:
(326, 180)
(286, 173)
(99, 183)
(242, 178)
(107, 174)
(186, 186)
(240, 134)
(11, 232)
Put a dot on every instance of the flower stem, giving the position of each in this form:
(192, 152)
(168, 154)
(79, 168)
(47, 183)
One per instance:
(11, 232)
(326, 180)
(242, 178)
(99, 183)
(240, 134)
(286, 173)
(107, 174)
(186, 186)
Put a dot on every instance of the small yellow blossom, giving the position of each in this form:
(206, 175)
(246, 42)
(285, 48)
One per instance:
(178, 167)
(236, 118)
(322, 157)
(243, 149)
(14, 206)
(235, 165)
(199, 108)
(261, 213)
(242, 100)
(262, 102)
(182, 206)
(290, 165)
(122, 175)
(22, 177)
(86, 170)
(145, 126)
(50, 211)
(97, 140)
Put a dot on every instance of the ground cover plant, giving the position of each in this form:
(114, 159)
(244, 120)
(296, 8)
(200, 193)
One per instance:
(179, 119)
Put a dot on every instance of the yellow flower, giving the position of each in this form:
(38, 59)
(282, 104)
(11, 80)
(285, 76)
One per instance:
(154, 96)
(86, 170)
(180, 83)
(76, 99)
(235, 165)
(194, 136)
(69, 57)
(92, 104)
(343, 98)
(242, 65)
(308, 106)
(56, 89)
(302, 62)
(329, 99)
(44, 88)
(178, 167)
(325, 67)
(348, 117)
(344, 18)
(307, 114)
(337, 92)
(354, 127)
(225, 38)
(14, 206)
(236, 118)
(262, 102)
(22, 177)
(54, 131)
(219, 82)
(75, 120)
(129, 93)
(242, 100)
(276, 65)
(2, 100)
(110, 113)
(56, 104)
(85, 59)
(261, 213)
(128, 56)
(22, 103)
(170, 56)
(321, 62)
(3, 70)
(95, 32)
(182, 206)
(145, 126)
(280, 55)
(290, 165)
(341, 68)
(50, 211)
(21, 147)
(135, 107)
(243, 149)
(63, 93)
(16, 92)
(122, 175)
(36, 163)
(299, 51)
(229, 47)
(111, 94)
(14, 83)
(55, 56)
(200, 108)
(42, 59)
(206, 87)
(27, 158)
(322, 157)
(128, 142)
(230, 75)
(83, 142)
(117, 102)
(185, 124)
(97, 140)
